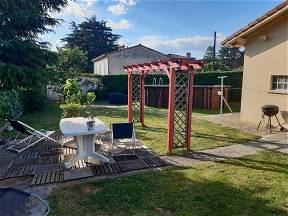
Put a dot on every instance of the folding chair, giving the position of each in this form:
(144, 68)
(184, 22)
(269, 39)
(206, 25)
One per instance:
(124, 133)
(33, 136)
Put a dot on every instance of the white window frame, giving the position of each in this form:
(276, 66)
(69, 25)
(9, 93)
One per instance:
(278, 82)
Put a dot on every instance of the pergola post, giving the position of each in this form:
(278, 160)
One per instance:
(171, 108)
(190, 106)
(130, 96)
(142, 98)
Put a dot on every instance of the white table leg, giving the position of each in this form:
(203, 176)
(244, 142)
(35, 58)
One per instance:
(85, 149)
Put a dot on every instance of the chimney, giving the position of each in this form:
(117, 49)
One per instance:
(188, 55)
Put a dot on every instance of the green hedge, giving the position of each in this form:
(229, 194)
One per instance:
(11, 104)
(118, 83)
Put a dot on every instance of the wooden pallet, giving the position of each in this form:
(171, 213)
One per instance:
(48, 177)
(22, 171)
(120, 158)
(106, 169)
(155, 162)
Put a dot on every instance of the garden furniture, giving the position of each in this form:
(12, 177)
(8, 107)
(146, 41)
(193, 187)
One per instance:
(84, 137)
(32, 136)
(123, 133)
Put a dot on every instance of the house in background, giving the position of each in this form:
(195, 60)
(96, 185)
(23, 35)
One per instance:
(265, 75)
(112, 63)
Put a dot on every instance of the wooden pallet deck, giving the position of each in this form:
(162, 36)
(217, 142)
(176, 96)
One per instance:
(44, 163)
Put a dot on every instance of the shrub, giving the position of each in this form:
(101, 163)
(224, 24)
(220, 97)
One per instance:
(11, 104)
(71, 110)
(72, 92)
(34, 100)
(75, 98)
(90, 98)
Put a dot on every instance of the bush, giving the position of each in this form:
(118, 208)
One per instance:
(90, 97)
(11, 104)
(34, 100)
(71, 110)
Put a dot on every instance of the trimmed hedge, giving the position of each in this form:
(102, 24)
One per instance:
(118, 83)
(11, 104)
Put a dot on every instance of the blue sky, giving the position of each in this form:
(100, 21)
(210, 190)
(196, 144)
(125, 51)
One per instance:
(169, 26)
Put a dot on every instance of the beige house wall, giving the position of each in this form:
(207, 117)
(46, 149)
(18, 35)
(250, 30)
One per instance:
(101, 66)
(264, 58)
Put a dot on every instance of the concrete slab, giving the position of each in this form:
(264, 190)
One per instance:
(233, 121)
(78, 173)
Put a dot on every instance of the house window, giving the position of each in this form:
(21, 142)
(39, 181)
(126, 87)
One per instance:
(279, 83)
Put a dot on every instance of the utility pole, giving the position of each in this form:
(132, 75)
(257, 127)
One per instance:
(214, 51)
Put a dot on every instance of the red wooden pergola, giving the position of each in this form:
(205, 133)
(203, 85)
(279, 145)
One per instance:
(181, 77)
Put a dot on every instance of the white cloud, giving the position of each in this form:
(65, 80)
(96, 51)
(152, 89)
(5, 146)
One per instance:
(194, 44)
(121, 7)
(128, 2)
(122, 24)
(79, 9)
(117, 9)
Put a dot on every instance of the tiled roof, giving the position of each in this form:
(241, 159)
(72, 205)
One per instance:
(257, 21)
(106, 54)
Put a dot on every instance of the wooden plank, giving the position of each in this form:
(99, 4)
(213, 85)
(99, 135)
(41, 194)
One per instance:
(108, 165)
(43, 179)
(38, 178)
(105, 166)
(102, 170)
(52, 178)
(61, 174)
(48, 177)
(57, 177)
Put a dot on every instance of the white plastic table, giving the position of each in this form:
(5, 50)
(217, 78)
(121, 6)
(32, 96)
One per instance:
(77, 127)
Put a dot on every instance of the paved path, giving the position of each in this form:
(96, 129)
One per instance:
(225, 152)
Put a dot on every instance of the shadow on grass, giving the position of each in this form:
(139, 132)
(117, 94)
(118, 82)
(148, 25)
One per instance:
(269, 146)
(170, 192)
(257, 165)
(220, 138)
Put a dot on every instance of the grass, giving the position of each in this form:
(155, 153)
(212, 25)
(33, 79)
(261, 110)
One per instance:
(205, 134)
(254, 185)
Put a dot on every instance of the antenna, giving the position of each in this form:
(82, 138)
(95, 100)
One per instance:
(222, 98)
(214, 51)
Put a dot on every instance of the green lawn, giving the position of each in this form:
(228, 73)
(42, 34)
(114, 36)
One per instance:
(255, 185)
(205, 134)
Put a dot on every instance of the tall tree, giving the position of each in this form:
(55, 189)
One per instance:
(208, 59)
(231, 57)
(93, 37)
(24, 61)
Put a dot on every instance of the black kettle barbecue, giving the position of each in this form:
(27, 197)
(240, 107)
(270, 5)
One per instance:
(270, 111)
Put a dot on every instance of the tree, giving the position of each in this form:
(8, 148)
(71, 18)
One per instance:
(71, 62)
(208, 59)
(231, 57)
(226, 59)
(208, 56)
(93, 37)
(24, 61)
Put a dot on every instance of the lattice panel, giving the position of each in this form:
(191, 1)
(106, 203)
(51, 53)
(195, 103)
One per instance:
(136, 98)
(181, 109)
